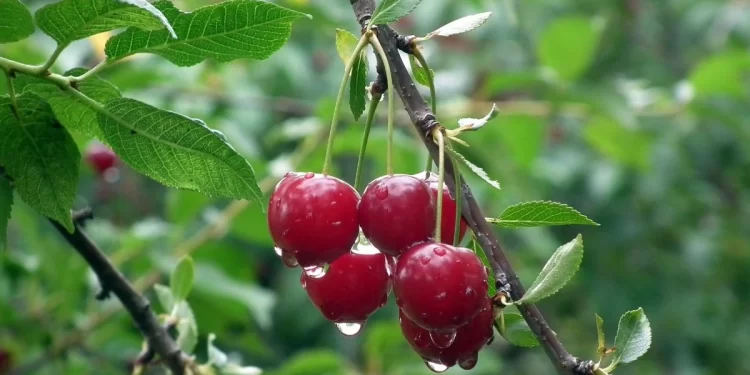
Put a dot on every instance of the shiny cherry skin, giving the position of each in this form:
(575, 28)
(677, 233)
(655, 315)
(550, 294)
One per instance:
(354, 287)
(438, 286)
(395, 212)
(470, 339)
(100, 157)
(448, 218)
(313, 217)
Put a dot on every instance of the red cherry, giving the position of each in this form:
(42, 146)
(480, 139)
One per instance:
(448, 218)
(440, 287)
(6, 361)
(313, 217)
(469, 340)
(396, 212)
(100, 157)
(354, 287)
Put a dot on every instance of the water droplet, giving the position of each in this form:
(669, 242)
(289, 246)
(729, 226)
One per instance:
(436, 367)
(443, 339)
(365, 247)
(470, 292)
(442, 296)
(439, 251)
(424, 260)
(315, 272)
(309, 175)
(350, 328)
(278, 250)
(468, 363)
(336, 223)
(381, 191)
(289, 260)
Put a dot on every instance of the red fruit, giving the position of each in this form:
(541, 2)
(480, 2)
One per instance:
(448, 218)
(100, 157)
(396, 212)
(6, 361)
(313, 217)
(440, 287)
(354, 287)
(469, 340)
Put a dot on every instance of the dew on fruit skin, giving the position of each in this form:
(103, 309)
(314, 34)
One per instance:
(278, 250)
(381, 191)
(289, 260)
(424, 260)
(443, 339)
(350, 328)
(315, 272)
(336, 223)
(470, 292)
(468, 362)
(441, 296)
(439, 251)
(436, 367)
(309, 175)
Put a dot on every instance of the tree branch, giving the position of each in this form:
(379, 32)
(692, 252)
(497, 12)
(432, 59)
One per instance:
(138, 306)
(424, 120)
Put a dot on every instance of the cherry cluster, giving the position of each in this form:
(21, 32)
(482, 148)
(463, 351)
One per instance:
(355, 249)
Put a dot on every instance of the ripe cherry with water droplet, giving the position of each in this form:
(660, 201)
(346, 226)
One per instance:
(397, 211)
(313, 217)
(431, 281)
(448, 217)
(355, 286)
(469, 340)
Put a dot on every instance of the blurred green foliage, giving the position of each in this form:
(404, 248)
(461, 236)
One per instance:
(633, 112)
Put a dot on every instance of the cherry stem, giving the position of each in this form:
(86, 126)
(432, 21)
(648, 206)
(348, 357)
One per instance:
(365, 137)
(457, 198)
(391, 111)
(428, 167)
(339, 99)
(430, 79)
(438, 135)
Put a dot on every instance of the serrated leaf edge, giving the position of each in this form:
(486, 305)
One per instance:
(500, 221)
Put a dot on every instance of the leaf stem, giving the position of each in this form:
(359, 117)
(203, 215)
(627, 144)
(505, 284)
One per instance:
(12, 92)
(98, 67)
(457, 198)
(438, 136)
(339, 99)
(430, 79)
(428, 167)
(41, 69)
(391, 110)
(365, 136)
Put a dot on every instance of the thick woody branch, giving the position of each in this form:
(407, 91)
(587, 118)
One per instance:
(424, 120)
(139, 307)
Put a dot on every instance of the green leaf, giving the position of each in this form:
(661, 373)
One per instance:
(568, 46)
(182, 278)
(421, 75)
(540, 213)
(346, 42)
(602, 344)
(313, 362)
(477, 249)
(357, 85)
(40, 156)
(517, 332)
(389, 11)
(69, 20)
(71, 111)
(461, 25)
(722, 74)
(165, 297)
(224, 32)
(633, 337)
(6, 204)
(559, 269)
(176, 150)
(629, 147)
(15, 21)
(478, 171)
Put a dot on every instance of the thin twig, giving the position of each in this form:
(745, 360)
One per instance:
(138, 306)
(424, 120)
